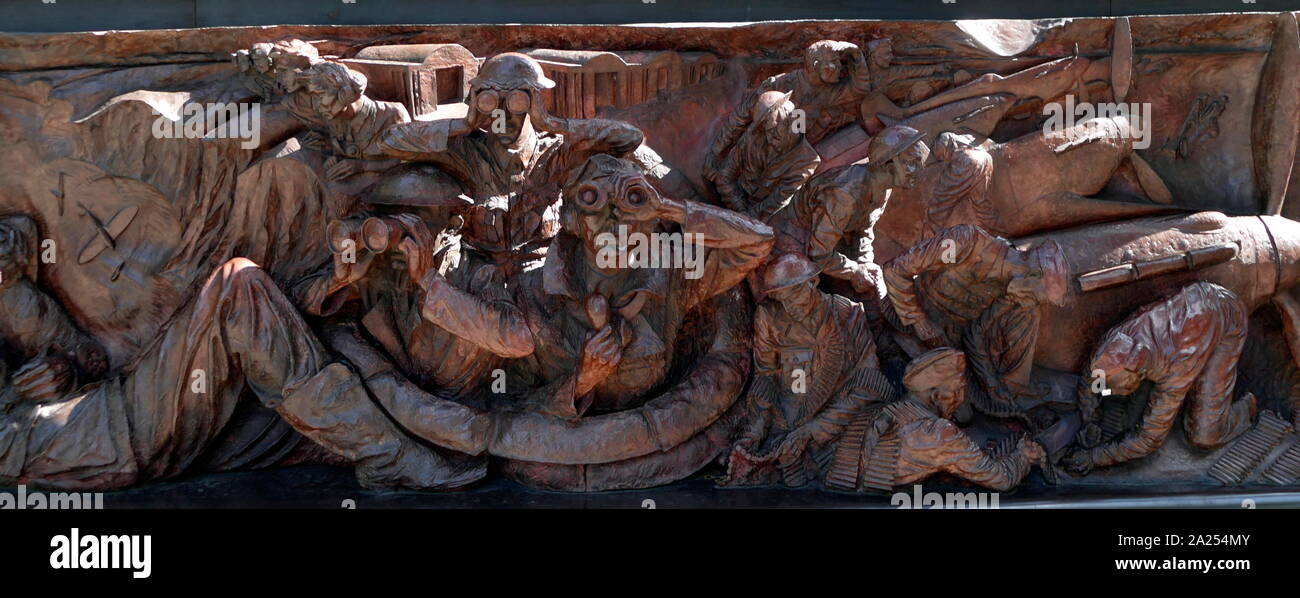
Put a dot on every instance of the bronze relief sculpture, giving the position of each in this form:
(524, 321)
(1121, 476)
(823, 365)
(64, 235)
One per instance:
(890, 254)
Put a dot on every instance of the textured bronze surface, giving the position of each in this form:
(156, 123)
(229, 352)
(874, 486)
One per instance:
(845, 255)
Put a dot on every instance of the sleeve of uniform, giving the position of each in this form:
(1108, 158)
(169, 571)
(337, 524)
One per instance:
(834, 208)
(802, 162)
(963, 241)
(369, 133)
(955, 453)
(725, 180)
(766, 362)
(417, 140)
(586, 137)
(833, 418)
(861, 82)
(763, 389)
(320, 294)
(733, 245)
(498, 327)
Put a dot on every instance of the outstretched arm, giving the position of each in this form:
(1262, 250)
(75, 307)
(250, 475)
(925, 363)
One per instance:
(733, 245)
(939, 445)
(496, 326)
(1162, 409)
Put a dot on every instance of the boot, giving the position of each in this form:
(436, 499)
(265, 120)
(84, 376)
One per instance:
(333, 409)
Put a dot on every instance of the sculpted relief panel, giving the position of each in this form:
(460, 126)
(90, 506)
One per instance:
(584, 259)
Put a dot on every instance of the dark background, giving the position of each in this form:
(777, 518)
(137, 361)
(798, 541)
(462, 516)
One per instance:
(95, 15)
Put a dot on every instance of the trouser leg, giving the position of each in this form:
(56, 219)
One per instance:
(1213, 418)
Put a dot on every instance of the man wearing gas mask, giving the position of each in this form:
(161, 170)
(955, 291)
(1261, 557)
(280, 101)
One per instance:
(513, 156)
(607, 310)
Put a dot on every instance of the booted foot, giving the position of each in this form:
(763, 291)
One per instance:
(418, 467)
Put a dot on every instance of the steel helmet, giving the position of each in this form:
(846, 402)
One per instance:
(891, 142)
(511, 70)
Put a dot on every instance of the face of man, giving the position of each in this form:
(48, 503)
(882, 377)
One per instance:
(882, 56)
(799, 300)
(907, 164)
(326, 96)
(949, 397)
(778, 127)
(603, 204)
(513, 134)
(511, 125)
(824, 65)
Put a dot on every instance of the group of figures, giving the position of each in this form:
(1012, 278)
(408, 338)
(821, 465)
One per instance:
(456, 308)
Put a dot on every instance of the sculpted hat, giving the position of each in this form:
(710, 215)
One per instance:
(1050, 260)
(511, 70)
(788, 270)
(416, 184)
(934, 368)
(767, 102)
(340, 76)
(891, 142)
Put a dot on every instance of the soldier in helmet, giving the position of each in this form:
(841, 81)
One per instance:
(834, 81)
(1187, 346)
(770, 161)
(513, 156)
(907, 441)
(833, 215)
(445, 322)
(968, 288)
(815, 370)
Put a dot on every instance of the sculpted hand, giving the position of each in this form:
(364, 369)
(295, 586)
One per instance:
(867, 277)
(336, 170)
(316, 141)
(1078, 463)
(474, 118)
(1031, 449)
(347, 272)
(417, 246)
(1090, 435)
(794, 445)
(928, 333)
(855, 54)
(601, 355)
(43, 379)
